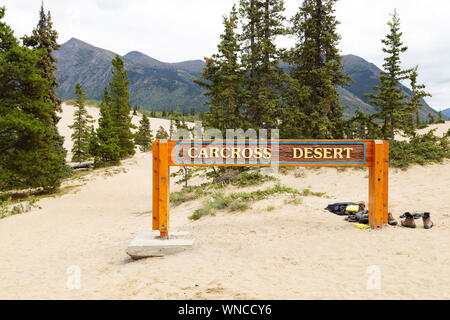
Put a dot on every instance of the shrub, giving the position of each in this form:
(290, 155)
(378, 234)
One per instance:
(422, 149)
(238, 201)
(307, 192)
(250, 178)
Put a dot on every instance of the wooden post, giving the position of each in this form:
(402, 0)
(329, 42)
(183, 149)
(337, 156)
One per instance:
(386, 182)
(155, 211)
(164, 184)
(376, 187)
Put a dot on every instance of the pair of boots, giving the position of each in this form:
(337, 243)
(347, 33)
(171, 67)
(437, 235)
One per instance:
(409, 221)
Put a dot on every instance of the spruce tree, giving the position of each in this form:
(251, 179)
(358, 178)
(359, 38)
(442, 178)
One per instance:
(44, 37)
(144, 136)
(162, 133)
(414, 103)
(418, 121)
(223, 80)
(390, 98)
(440, 118)
(82, 128)
(28, 155)
(314, 110)
(119, 108)
(135, 110)
(104, 144)
(262, 24)
(171, 128)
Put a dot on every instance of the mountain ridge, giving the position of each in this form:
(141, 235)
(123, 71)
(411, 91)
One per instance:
(446, 112)
(164, 86)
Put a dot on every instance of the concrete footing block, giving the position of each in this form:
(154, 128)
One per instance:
(149, 244)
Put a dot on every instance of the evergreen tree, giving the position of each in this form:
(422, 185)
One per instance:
(162, 133)
(135, 110)
(223, 80)
(119, 108)
(415, 101)
(171, 128)
(314, 110)
(82, 128)
(28, 155)
(366, 128)
(104, 144)
(44, 37)
(144, 136)
(440, 118)
(418, 122)
(390, 98)
(262, 24)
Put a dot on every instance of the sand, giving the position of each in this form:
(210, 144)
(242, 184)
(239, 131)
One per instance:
(67, 120)
(292, 252)
(440, 130)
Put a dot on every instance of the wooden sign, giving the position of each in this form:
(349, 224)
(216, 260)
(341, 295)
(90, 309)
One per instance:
(263, 153)
(373, 154)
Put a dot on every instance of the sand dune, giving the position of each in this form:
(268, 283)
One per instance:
(440, 130)
(67, 120)
(292, 252)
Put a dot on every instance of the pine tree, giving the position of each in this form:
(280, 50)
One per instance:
(162, 133)
(104, 144)
(366, 127)
(171, 129)
(418, 122)
(135, 110)
(415, 103)
(144, 136)
(223, 80)
(119, 108)
(28, 155)
(314, 110)
(440, 118)
(262, 25)
(81, 127)
(44, 37)
(390, 98)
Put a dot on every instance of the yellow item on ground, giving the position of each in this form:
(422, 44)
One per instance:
(362, 226)
(352, 208)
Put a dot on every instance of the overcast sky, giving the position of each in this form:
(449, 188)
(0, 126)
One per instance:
(178, 30)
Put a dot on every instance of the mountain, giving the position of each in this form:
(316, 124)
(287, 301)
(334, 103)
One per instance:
(153, 84)
(446, 112)
(160, 85)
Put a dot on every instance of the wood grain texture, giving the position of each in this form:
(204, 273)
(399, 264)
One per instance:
(373, 154)
(155, 185)
(284, 153)
(164, 184)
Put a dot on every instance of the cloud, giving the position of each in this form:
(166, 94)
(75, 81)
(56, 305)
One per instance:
(110, 4)
(176, 30)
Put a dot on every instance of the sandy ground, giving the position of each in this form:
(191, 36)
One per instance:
(441, 129)
(292, 252)
(67, 120)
